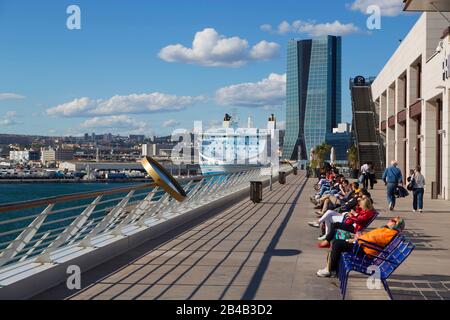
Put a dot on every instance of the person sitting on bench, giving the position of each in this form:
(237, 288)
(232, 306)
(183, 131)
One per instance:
(328, 201)
(381, 237)
(332, 216)
(353, 222)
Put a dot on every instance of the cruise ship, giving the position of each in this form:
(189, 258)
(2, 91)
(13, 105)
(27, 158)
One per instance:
(230, 149)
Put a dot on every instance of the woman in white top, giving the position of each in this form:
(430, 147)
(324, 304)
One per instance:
(418, 190)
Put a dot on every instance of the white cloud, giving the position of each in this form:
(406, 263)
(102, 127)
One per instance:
(171, 123)
(211, 49)
(389, 8)
(11, 114)
(266, 27)
(130, 104)
(121, 121)
(117, 124)
(9, 119)
(264, 50)
(11, 96)
(312, 28)
(268, 92)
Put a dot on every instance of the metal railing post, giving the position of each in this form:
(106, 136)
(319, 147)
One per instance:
(108, 220)
(138, 211)
(25, 237)
(70, 231)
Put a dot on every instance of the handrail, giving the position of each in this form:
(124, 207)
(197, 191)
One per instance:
(91, 194)
(377, 133)
(358, 164)
(40, 237)
(70, 197)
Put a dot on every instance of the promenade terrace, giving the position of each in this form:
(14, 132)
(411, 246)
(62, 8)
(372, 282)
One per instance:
(266, 251)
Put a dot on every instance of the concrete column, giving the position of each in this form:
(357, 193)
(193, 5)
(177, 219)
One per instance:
(383, 108)
(390, 145)
(412, 86)
(428, 157)
(400, 102)
(400, 147)
(411, 144)
(400, 129)
(390, 101)
(390, 132)
(445, 146)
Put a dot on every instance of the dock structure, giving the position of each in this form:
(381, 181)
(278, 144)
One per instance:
(241, 250)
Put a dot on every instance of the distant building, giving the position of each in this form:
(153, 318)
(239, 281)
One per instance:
(137, 138)
(313, 94)
(24, 156)
(164, 149)
(343, 127)
(149, 149)
(78, 166)
(56, 155)
(158, 140)
(341, 142)
(271, 123)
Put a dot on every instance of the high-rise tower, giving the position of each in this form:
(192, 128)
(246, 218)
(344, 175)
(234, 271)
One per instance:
(313, 101)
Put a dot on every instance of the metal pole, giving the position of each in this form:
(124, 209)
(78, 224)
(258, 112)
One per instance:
(271, 175)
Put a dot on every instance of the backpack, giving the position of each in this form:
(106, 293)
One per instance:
(401, 192)
(411, 184)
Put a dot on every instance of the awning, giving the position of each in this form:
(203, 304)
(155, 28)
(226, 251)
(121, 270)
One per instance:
(427, 5)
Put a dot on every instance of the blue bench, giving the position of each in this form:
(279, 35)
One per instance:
(386, 261)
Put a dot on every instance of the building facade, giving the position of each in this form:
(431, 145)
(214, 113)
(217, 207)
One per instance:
(56, 155)
(149, 150)
(24, 156)
(313, 94)
(411, 96)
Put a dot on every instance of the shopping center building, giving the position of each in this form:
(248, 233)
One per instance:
(412, 100)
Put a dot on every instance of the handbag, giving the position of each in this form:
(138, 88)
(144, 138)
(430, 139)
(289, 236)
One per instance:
(411, 184)
(343, 235)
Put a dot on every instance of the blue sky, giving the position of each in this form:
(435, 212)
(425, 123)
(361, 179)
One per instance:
(131, 67)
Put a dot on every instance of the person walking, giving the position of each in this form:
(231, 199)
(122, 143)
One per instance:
(392, 177)
(418, 190)
(372, 177)
(364, 178)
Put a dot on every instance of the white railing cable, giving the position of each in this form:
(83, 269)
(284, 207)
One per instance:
(70, 231)
(107, 221)
(24, 238)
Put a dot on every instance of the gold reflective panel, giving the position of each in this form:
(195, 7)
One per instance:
(286, 161)
(163, 179)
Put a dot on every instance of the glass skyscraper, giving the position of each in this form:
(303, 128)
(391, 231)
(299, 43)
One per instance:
(313, 101)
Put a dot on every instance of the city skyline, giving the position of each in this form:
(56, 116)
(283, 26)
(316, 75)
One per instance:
(129, 70)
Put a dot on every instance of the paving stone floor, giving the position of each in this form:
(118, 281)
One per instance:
(267, 251)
